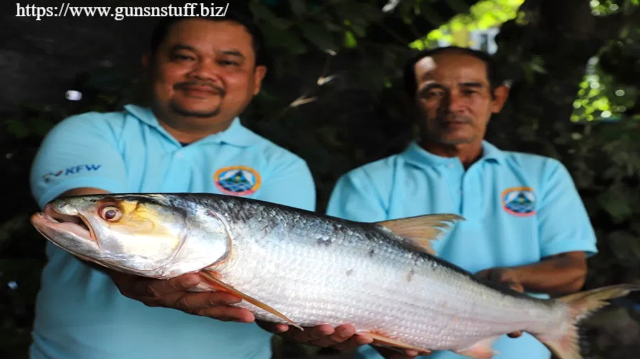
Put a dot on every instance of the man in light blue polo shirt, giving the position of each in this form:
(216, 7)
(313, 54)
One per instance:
(525, 222)
(203, 73)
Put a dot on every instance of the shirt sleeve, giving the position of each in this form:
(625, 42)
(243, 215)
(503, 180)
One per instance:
(291, 184)
(78, 152)
(355, 198)
(564, 224)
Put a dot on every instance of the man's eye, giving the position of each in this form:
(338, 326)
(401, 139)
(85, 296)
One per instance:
(434, 94)
(468, 92)
(180, 57)
(228, 63)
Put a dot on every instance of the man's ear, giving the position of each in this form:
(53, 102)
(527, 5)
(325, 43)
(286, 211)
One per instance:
(147, 66)
(500, 95)
(259, 73)
(409, 106)
(146, 60)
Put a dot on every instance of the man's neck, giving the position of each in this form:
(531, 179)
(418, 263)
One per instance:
(468, 153)
(187, 130)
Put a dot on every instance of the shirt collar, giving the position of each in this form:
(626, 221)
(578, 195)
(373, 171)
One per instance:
(236, 134)
(420, 157)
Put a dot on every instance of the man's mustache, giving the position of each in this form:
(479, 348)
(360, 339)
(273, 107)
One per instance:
(454, 118)
(183, 85)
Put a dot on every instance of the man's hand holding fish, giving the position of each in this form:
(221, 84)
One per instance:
(178, 293)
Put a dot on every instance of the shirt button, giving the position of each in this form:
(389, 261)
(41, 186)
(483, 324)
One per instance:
(179, 155)
(450, 165)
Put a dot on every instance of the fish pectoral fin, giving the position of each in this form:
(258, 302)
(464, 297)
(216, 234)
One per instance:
(382, 341)
(481, 350)
(217, 284)
(421, 230)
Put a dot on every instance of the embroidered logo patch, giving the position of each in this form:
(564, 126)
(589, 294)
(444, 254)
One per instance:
(237, 180)
(519, 201)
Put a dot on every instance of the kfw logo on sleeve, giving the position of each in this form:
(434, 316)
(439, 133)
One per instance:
(71, 171)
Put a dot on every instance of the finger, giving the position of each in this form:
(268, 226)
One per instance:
(515, 286)
(276, 328)
(158, 287)
(194, 302)
(395, 353)
(228, 314)
(340, 334)
(515, 334)
(353, 343)
(310, 334)
(280, 328)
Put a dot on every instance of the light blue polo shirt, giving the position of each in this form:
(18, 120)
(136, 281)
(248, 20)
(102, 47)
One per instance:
(80, 312)
(519, 208)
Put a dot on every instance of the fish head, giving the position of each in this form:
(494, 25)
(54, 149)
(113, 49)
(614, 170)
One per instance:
(138, 234)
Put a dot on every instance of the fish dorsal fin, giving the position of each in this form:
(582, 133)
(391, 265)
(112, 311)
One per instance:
(421, 230)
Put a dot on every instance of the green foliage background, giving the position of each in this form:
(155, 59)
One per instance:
(334, 97)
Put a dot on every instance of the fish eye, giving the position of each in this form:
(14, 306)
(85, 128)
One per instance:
(110, 213)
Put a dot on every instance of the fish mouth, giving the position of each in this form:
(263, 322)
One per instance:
(57, 221)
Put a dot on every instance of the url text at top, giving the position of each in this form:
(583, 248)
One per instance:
(120, 12)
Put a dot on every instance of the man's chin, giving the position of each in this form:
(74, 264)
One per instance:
(194, 111)
(457, 140)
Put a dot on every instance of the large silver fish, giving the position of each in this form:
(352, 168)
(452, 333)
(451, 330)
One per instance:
(302, 268)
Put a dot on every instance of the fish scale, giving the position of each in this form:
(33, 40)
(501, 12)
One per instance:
(302, 268)
(325, 293)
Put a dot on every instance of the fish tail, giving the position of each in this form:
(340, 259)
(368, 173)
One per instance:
(581, 305)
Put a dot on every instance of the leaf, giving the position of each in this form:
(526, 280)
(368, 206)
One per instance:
(298, 7)
(8, 228)
(319, 36)
(360, 13)
(626, 246)
(350, 40)
(359, 30)
(370, 12)
(278, 38)
(616, 201)
(17, 128)
(260, 11)
(332, 27)
(458, 6)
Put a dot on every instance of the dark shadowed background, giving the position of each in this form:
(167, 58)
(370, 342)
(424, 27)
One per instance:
(333, 96)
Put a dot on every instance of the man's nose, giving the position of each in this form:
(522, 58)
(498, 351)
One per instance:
(452, 102)
(206, 69)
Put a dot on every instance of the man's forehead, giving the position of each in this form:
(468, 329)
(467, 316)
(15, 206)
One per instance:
(459, 68)
(423, 69)
(216, 33)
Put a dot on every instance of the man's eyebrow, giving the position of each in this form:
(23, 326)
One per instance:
(471, 84)
(233, 53)
(422, 91)
(177, 47)
(431, 85)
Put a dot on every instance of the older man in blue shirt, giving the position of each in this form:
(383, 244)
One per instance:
(525, 222)
(203, 73)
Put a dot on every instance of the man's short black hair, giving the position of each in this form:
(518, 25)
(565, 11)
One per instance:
(410, 85)
(162, 29)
